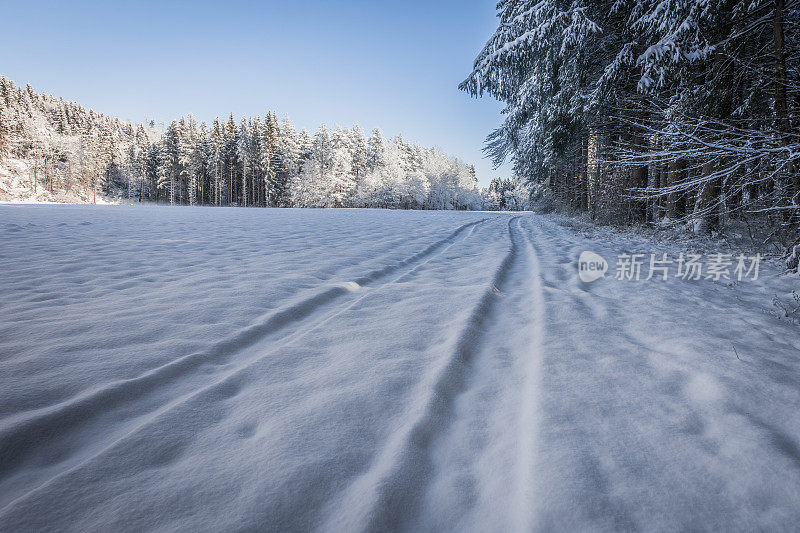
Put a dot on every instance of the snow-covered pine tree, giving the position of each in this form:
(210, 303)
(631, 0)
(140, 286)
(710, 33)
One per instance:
(140, 163)
(243, 156)
(256, 186)
(215, 162)
(202, 154)
(5, 134)
(170, 162)
(341, 179)
(185, 177)
(231, 160)
(358, 147)
(288, 158)
(269, 159)
(376, 150)
(152, 172)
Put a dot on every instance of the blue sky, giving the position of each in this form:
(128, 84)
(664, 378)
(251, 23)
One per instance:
(386, 63)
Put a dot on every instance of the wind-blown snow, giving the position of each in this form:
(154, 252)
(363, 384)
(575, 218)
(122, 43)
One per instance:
(337, 370)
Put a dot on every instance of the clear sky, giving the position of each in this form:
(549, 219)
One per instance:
(395, 64)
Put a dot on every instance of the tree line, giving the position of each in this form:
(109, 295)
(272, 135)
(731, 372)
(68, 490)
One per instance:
(651, 110)
(250, 162)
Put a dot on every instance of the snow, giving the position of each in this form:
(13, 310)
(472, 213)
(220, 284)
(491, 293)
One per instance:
(239, 369)
(16, 186)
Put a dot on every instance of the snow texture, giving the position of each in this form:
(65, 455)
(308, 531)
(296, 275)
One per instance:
(202, 369)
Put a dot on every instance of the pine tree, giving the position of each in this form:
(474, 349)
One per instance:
(5, 135)
(376, 150)
(200, 166)
(243, 156)
(216, 160)
(342, 180)
(231, 160)
(170, 162)
(152, 171)
(358, 147)
(256, 148)
(270, 160)
(140, 164)
(185, 176)
(287, 168)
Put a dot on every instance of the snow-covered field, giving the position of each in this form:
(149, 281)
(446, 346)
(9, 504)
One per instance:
(205, 369)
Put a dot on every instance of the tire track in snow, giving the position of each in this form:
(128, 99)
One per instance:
(26, 437)
(486, 458)
(530, 410)
(389, 491)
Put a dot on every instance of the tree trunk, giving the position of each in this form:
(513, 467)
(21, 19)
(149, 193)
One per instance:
(704, 208)
(672, 178)
(653, 181)
(781, 106)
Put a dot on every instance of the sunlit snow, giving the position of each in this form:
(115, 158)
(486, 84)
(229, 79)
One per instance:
(339, 370)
